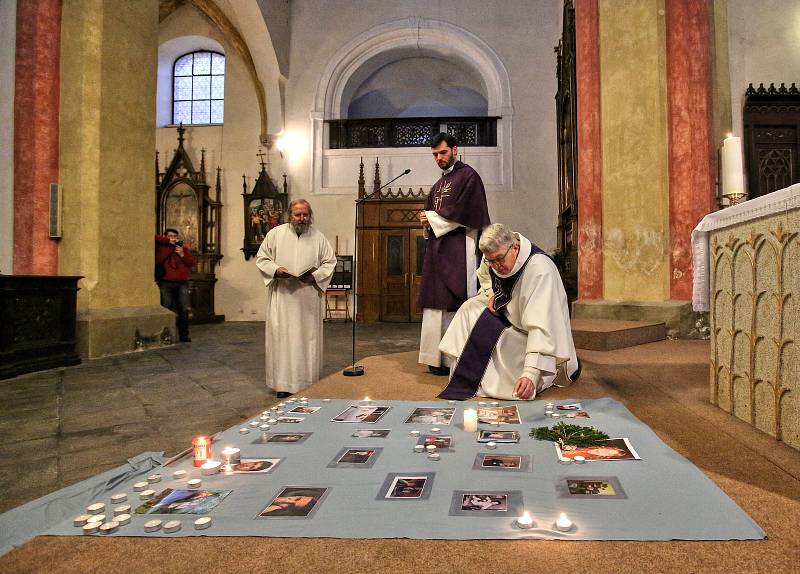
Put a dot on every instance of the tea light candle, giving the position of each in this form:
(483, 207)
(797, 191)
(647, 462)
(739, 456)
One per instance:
(291, 400)
(80, 520)
(451, 402)
(555, 415)
(231, 455)
(109, 527)
(578, 459)
(419, 448)
(179, 474)
(202, 523)
(119, 498)
(280, 405)
(152, 525)
(122, 509)
(264, 417)
(210, 467)
(366, 400)
(272, 421)
(264, 428)
(550, 405)
(563, 523)
(254, 424)
(172, 526)
(481, 403)
(154, 478)
(244, 430)
(491, 445)
(90, 527)
(414, 433)
(326, 400)
(123, 519)
(525, 521)
(436, 430)
(431, 448)
(303, 399)
(433, 456)
(194, 483)
(495, 404)
(145, 494)
(96, 508)
(564, 460)
(303, 403)
(470, 420)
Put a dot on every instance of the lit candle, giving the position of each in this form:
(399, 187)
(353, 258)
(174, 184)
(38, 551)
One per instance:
(326, 400)
(732, 172)
(231, 455)
(202, 450)
(366, 400)
(525, 521)
(470, 420)
(563, 523)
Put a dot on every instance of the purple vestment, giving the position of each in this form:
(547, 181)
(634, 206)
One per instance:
(458, 196)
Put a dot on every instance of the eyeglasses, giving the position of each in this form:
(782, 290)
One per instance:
(498, 259)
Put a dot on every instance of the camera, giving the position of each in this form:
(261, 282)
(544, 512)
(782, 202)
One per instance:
(179, 243)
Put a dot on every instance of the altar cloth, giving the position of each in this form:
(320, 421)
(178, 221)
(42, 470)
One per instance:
(665, 496)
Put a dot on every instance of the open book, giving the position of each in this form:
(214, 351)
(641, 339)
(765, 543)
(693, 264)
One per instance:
(298, 275)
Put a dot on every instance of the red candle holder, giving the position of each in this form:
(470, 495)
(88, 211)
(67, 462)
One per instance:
(202, 450)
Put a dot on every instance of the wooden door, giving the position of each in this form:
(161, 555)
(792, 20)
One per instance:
(395, 291)
(417, 244)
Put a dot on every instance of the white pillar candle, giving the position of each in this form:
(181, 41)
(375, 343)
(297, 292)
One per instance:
(231, 455)
(525, 521)
(732, 170)
(563, 523)
(470, 420)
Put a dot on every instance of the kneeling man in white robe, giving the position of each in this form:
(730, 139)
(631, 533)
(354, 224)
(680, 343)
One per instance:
(513, 339)
(296, 263)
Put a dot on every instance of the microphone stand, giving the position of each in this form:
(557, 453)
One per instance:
(357, 370)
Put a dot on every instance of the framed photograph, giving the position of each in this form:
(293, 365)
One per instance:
(441, 442)
(499, 415)
(301, 410)
(295, 502)
(595, 487)
(282, 438)
(498, 436)
(569, 407)
(609, 449)
(361, 414)
(371, 433)
(406, 486)
(483, 503)
(176, 501)
(355, 457)
(293, 420)
(255, 466)
(431, 415)
(575, 415)
(502, 462)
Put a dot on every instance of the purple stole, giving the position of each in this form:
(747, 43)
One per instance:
(466, 378)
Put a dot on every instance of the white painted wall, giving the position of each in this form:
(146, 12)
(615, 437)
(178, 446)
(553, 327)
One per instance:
(8, 37)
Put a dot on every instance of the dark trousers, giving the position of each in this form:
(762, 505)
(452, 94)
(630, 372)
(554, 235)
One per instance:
(175, 297)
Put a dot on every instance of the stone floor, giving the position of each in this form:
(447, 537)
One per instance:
(60, 426)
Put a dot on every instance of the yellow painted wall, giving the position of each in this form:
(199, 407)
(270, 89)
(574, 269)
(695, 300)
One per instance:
(108, 82)
(634, 133)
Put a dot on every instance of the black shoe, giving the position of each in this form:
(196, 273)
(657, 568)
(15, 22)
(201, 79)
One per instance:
(283, 395)
(186, 339)
(439, 371)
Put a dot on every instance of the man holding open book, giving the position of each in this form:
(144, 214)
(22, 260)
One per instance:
(296, 263)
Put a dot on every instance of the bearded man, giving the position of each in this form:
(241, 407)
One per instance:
(296, 263)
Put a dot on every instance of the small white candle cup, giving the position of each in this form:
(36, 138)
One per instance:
(244, 430)
(80, 520)
(578, 459)
(96, 508)
(179, 474)
(433, 456)
(414, 433)
(470, 420)
(491, 444)
(122, 509)
(202, 523)
(431, 448)
(152, 525)
(525, 521)
(436, 430)
(194, 483)
(172, 526)
(123, 519)
(563, 523)
(210, 467)
(419, 448)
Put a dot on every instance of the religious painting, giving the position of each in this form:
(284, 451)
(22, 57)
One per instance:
(301, 410)
(255, 466)
(264, 213)
(431, 415)
(372, 433)
(295, 502)
(177, 501)
(360, 414)
(405, 487)
(181, 212)
(610, 449)
(498, 436)
(479, 502)
(498, 415)
(442, 442)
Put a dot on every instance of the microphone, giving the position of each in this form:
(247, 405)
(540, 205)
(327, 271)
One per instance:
(406, 172)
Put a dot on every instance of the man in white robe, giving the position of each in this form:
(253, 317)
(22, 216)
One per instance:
(296, 263)
(523, 302)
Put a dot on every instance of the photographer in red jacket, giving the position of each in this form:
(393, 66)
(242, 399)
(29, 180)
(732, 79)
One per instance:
(173, 262)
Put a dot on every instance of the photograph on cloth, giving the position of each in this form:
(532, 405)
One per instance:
(498, 436)
(255, 466)
(294, 420)
(502, 461)
(356, 456)
(301, 410)
(590, 487)
(593, 487)
(407, 487)
(294, 501)
(569, 407)
(431, 415)
(371, 433)
(441, 442)
(499, 415)
(175, 501)
(479, 502)
(360, 414)
(575, 415)
(282, 437)
(610, 449)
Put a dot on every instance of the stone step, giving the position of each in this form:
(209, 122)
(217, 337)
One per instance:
(608, 334)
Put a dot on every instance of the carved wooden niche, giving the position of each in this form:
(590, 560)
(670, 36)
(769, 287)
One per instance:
(264, 208)
(183, 202)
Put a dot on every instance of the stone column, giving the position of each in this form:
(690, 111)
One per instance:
(108, 91)
(36, 99)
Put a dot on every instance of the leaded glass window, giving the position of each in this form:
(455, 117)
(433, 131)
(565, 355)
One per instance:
(198, 88)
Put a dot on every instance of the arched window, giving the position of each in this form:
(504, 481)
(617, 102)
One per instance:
(198, 88)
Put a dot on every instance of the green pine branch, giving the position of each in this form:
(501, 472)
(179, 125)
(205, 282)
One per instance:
(565, 434)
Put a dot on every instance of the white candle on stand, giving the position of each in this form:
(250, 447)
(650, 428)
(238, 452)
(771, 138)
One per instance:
(470, 420)
(732, 170)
